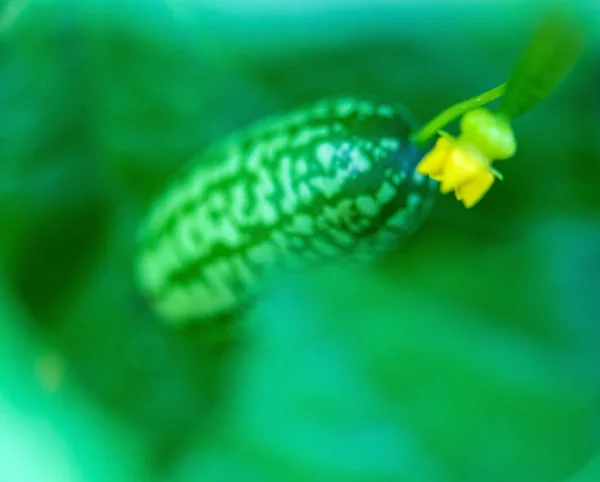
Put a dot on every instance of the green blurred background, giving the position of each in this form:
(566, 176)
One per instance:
(470, 353)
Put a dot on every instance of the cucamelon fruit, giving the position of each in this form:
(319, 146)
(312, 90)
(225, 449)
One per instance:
(325, 183)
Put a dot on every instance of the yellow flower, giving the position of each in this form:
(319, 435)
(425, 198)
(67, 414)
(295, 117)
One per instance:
(464, 165)
(458, 168)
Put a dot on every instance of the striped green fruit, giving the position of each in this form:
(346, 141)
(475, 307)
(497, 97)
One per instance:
(325, 183)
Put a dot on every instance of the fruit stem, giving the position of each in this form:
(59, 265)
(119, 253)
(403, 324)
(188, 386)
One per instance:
(451, 113)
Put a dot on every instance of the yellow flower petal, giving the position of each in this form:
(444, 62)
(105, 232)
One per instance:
(471, 193)
(461, 167)
(432, 163)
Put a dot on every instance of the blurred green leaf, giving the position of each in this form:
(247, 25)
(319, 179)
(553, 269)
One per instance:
(551, 54)
(50, 431)
(372, 378)
(589, 473)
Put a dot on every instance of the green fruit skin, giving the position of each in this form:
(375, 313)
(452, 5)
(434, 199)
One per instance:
(330, 182)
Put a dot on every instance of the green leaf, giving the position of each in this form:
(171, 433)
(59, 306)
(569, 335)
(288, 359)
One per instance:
(552, 53)
(356, 376)
(49, 430)
(589, 473)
